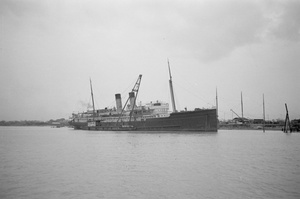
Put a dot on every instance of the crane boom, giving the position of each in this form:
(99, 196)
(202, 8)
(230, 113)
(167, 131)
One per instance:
(135, 90)
(235, 113)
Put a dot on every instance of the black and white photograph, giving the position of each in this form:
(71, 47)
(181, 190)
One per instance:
(149, 99)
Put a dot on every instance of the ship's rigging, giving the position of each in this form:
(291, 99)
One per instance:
(151, 116)
(132, 97)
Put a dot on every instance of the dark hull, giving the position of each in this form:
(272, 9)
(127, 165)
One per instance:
(199, 121)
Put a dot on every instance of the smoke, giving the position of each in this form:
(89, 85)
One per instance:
(84, 105)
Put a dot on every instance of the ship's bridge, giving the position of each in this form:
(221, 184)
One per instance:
(158, 107)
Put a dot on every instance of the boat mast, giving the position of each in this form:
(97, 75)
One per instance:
(264, 117)
(92, 98)
(242, 105)
(217, 106)
(171, 89)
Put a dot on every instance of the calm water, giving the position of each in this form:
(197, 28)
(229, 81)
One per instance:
(44, 162)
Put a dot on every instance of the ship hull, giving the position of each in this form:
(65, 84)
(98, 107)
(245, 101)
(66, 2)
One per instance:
(197, 121)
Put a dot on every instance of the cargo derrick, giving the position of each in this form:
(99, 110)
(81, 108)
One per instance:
(150, 117)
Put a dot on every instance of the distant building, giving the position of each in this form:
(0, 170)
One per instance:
(258, 121)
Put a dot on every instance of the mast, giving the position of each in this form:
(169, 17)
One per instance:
(264, 113)
(171, 89)
(217, 106)
(92, 98)
(242, 105)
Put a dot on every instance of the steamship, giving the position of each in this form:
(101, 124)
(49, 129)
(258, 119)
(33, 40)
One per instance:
(153, 116)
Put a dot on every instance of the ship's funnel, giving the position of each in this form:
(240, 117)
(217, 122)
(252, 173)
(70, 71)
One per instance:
(131, 99)
(119, 102)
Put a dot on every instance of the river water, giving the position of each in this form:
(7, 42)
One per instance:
(44, 162)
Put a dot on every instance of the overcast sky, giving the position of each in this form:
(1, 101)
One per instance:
(51, 48)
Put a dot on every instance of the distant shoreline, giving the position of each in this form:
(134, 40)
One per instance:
(57, 122)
